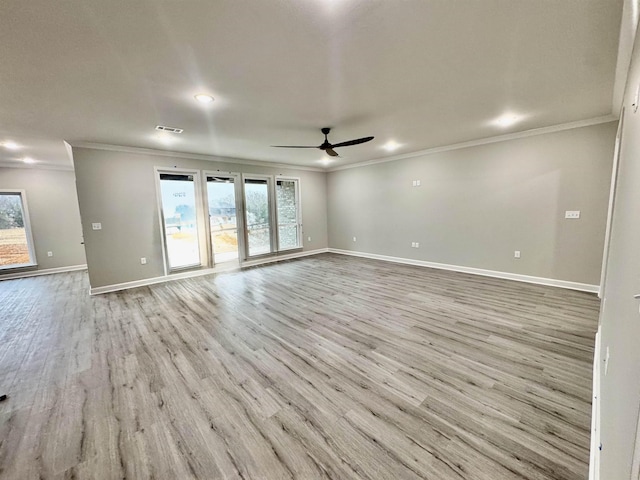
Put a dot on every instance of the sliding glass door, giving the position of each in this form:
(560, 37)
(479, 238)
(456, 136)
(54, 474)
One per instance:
(212, 217)
(257, 204)
(288, 213)
(179, 199)
(223, 218)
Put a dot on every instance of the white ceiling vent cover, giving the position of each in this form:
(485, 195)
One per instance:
(162, 128)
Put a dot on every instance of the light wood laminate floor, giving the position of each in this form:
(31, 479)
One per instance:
(324, 367)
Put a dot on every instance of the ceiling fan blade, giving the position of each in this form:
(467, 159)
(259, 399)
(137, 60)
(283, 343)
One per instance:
(292, 146)
(353, 142)
(331, 152)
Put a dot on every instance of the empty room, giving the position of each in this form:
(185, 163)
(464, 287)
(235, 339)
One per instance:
(320, 239)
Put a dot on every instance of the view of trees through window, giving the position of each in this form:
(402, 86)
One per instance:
(256, 194)
(14, 246)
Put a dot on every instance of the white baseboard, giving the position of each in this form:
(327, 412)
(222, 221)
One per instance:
(285, 256)
(44, 271)
(198, 273)
(584, 287)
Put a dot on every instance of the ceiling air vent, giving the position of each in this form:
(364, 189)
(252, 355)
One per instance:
(162, 128)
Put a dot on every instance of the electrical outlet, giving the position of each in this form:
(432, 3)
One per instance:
(308, 239)
(516, 254)
(417, 245)
(143, 260)
(413, 244)
(417, 183)
(96, 226)
(354, 239)
(49, 254)
(573, 214)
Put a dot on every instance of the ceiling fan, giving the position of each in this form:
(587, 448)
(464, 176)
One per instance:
(329, 147)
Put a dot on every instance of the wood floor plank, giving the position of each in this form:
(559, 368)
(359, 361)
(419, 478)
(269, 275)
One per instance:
(327, 367)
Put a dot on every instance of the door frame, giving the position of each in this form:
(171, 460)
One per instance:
(239, 198)
(298, 213)
(273, 228)
(197, 182)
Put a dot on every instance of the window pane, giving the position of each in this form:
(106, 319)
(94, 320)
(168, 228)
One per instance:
(14, 244)
(180, 221)
(256, 194)
(222, 218)
(287, 208)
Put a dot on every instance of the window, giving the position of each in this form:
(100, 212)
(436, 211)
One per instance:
(258, 215)
(16, 242)
(288, 213)
(178, 195)
(212, 217)
(223, 219)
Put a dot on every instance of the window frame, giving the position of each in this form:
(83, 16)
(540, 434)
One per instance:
(239, 196)
(199, 202)
(33, 262)
(271, 194)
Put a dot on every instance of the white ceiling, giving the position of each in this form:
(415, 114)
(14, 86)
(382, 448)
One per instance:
(425, 73)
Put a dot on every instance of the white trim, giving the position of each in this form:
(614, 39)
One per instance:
(192, 156)
(483, 141)
(594, 455)
(44, 271)
(37, 166)
(584, 287)
(612, 200)
(225, 267)
(286, 256)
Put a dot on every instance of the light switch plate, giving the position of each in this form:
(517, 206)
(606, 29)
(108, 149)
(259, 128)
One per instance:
(96, 226)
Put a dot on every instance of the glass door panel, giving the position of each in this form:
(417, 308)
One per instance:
(287, 213)
(256, 196)
(15, 240)
(178, 194)
(223, 221)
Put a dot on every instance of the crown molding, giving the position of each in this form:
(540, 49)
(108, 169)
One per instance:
(483, 141)
(34, 166)
(190, 156)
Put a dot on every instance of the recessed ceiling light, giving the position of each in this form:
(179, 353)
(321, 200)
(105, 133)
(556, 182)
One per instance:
(10, 145)
(507, 120)
(203, 98)
(391, 145)
(28, 160)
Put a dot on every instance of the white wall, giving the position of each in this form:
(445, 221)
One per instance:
(477, 205)
(55, 218)
(620, 319)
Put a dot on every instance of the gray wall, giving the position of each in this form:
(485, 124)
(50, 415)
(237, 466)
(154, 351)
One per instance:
(477, 205)
(118, 190)
(53, 210)
(620, 320)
